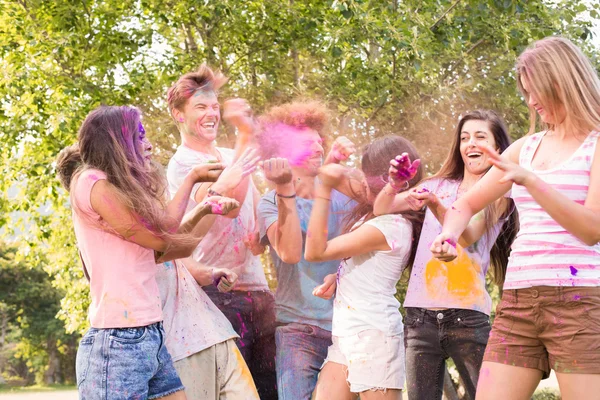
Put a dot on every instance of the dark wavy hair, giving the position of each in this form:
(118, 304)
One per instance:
(454, 169)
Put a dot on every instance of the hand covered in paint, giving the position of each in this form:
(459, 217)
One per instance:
(513, 172)
(419, 198)
(220, 205)
(444, 247)
(208, 172)
(326, 290)
(238, 113)
(223, 279)
(252, 242)
(341, 149)
(332, 174)
(277, 170)
(402, 170)
(234, 173)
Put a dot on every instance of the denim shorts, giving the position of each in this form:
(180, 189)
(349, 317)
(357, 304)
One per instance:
(125, 363)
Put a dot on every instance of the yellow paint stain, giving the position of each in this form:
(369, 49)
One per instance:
(458, 279)
(244, 370)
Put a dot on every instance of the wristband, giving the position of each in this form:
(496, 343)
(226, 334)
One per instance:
(211, 192)
(292, 196)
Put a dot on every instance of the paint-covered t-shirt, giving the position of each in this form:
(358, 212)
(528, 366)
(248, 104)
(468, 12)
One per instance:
(122, 273)
(366, 284)
(191, 320)
(223, 246)
(456, 284)
(294, 301)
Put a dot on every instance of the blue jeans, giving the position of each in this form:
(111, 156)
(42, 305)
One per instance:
(433, 336)
(301, 351)
(252, 315)
(125, 363)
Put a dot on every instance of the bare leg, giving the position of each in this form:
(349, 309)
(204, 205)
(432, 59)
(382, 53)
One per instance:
(390, 394)
(332, 383)
(176, 396)
(500, 382)
(579, 386)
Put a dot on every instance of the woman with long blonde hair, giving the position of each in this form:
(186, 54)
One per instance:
(549, 316)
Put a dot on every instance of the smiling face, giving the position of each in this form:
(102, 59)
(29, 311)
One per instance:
(200, 116)
(475, 132)
(549, 116)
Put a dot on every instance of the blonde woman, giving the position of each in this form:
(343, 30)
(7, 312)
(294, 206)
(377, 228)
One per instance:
(549, 316)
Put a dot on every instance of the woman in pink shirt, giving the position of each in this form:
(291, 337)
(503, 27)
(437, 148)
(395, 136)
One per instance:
(123, 228)
(549, 316)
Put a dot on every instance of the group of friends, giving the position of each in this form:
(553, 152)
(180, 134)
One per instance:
(180, 305)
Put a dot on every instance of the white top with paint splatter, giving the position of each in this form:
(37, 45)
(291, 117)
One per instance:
(364, 298)
(456, 284)
(223, 246)
(192, 322)
(544, 253)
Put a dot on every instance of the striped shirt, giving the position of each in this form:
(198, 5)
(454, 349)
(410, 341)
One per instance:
(544, 253)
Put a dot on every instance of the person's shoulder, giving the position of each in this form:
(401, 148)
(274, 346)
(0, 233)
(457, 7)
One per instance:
(268, 199)
(88, 177)
(341, 202)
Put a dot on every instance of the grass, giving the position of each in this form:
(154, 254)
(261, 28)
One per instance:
(546, 394)
(35, 388)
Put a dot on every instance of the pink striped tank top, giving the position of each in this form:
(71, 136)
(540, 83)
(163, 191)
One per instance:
(544, 253)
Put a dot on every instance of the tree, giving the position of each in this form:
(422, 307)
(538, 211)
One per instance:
(29, 304)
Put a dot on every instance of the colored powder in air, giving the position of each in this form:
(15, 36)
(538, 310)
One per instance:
(281, 140)
(573, 270)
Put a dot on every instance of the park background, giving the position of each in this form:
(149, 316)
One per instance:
(406, 67)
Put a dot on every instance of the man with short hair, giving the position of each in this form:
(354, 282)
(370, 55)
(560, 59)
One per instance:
(194, 105)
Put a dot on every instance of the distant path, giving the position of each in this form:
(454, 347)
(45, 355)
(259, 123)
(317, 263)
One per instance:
(51, 395)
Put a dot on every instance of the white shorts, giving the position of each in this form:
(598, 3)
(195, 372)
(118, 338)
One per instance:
(374, 361)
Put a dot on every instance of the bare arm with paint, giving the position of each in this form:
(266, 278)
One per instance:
(362, 240)
(488, 189)
(285, 235)
(233, 182)
(345, 180)
(581, 220)
(175, 210)
(237, 112)
(477, 225)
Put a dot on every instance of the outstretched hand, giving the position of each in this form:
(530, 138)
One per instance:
(513, 172)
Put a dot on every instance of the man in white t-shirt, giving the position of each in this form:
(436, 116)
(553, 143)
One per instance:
(194, 106)
(199, 338)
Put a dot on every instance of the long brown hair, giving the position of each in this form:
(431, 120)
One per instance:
(454, 169)
(375, 164)
(109, 140)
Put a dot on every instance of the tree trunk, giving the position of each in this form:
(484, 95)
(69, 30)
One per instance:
(4, 327)
(52, 374)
